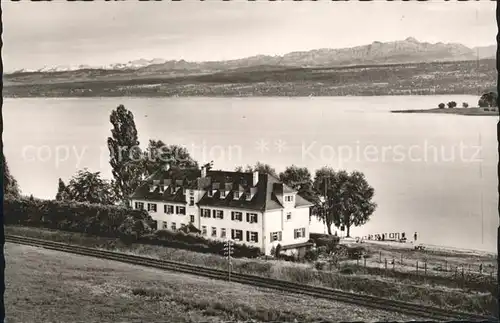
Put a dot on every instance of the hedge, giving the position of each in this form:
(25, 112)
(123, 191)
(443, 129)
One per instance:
(109, 221)
(195, 242)
(96, 219)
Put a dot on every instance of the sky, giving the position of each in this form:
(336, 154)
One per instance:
(38, 34)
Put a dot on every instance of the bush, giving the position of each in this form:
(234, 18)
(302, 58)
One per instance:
(451, 104)
(441, 105)
(96, 219)
(330, 242)
(465, 105)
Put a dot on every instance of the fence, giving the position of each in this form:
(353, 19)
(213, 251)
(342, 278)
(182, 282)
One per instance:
(474, 276)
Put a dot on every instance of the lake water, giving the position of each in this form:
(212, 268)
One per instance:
(433, 174)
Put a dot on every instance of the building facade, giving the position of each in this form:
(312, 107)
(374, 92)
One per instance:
(250, 208)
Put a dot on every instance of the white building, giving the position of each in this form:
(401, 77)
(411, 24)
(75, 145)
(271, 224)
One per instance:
(251, 208)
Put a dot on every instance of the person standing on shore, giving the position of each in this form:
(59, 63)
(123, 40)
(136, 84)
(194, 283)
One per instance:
(415, 237)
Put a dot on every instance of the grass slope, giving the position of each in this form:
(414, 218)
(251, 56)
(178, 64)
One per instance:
(458, 111)
(466, 77)
(372, 280)
(50, 286)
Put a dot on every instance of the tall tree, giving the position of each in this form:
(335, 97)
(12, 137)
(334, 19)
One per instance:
(347, 198)
(10, 185)
(299, 178)
(260, 167)
(89, 187)
(125, 153)
(62, 191)
(158, 154)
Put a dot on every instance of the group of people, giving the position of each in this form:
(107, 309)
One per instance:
(384, 237)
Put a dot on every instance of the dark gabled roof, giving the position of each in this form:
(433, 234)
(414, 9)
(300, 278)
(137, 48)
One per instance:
(267, 195)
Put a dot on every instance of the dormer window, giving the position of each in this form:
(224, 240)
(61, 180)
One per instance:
(248, 196)
(288, 198)
(210, 193)
(236, 195)
(162, 188)
(222, 194)
(152, 188)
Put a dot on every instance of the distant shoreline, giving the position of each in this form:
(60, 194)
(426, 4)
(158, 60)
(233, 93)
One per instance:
(455, 111)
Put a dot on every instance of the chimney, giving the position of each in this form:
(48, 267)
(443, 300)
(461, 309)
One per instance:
(255, 177)
(203, 172)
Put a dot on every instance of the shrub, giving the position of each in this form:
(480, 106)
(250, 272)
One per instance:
(311, 255)
(451, 104)
(465, 105)
(441, 105)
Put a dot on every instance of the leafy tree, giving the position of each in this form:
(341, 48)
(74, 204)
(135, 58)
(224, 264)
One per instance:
(441, 105)
(451, 104)
(125, 154)
(465, 105)
(62, 191)
(158, 154)
(299, 178)
(10, 185)
(89, 187)
(347, 198)
(488, 100)
(260, 167)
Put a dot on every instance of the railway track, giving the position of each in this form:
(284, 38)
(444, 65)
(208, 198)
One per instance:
(415, 310)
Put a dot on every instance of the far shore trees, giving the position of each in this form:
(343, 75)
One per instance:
(488, 100)
(346, 198)
(452, 104)
(441, 105)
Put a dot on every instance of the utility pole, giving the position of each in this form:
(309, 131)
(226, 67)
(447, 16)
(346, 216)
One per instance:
(228, 250)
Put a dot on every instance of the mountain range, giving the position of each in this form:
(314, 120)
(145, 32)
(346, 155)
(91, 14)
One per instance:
(409, 50)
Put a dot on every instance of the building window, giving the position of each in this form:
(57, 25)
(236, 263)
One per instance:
(276, 236)
(191, 218)
(191, 201)
(214, 232)
(252, 217)
(191, 192)
(174, 227)
(205, 213)
(252, 236)
(165, 225)
(236, 195)
(169, 209)
(152, 207)
(222, 194)
(204, 230)
(289, 198)
(180, 210)
(219, 214)
(288, 216)
(299, 233)
(222, 233)
(139, 206)
(237, 234)
(236, 216)
(210, 193)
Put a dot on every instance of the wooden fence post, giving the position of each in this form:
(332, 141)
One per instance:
(380, 256)
(393, 263)
(417, 267)
(385, 263)
(364, 261)
(425, 268)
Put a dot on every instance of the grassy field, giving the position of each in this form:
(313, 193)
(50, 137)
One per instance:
(50, 286)
(466, 77)
(446, 293)
(458, 111)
